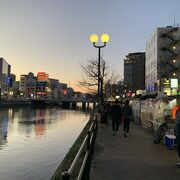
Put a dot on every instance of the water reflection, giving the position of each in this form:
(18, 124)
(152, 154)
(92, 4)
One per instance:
(38, 138)
(29, 120)
(33, 120)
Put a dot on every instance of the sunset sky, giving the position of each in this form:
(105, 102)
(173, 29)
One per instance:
(53, 35)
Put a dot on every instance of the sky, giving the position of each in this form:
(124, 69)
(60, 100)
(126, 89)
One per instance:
(52, 36)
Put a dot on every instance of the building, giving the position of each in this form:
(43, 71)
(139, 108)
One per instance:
(31, 85)
(27, 85)
(70, 92)
(54, 87)
(15, 90)
(12, 79)
(11, 86)
(22, 84)
(163, 60)
(5, 70)
(63, 90)
(134, 72)
(42, 86)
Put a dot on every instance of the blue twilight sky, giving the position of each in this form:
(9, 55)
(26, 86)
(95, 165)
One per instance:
(53, 35)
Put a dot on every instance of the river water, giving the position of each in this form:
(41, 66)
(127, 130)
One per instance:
(34, 141)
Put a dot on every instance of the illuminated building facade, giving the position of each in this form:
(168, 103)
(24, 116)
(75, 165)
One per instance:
(163, 60)
(5, 69)
(42, 86)
(134, 72)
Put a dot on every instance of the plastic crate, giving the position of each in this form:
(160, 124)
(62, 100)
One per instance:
(170, 140)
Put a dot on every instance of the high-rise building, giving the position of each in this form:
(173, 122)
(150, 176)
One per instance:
(163, 60)
(5, 70)
(134, 72)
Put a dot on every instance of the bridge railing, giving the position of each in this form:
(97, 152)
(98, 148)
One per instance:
(87, 144)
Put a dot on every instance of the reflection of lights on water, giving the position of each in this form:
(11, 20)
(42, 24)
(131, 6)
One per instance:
(40, 128)
(10, 115)
(5, 128)
(25, 145)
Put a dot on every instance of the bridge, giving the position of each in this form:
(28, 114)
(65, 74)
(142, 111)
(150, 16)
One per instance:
(63, 102)
(71, 102)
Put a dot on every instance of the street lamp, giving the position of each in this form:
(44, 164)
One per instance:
(94, 40)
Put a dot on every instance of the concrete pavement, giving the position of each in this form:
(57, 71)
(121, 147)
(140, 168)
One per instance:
(133, 158)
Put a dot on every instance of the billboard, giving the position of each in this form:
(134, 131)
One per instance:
(174, 83)
(42, 76)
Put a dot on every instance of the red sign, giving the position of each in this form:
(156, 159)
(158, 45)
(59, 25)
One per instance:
(42, 76)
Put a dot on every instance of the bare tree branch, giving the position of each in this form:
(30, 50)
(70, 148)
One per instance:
(89, 82)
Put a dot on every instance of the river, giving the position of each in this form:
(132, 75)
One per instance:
(33, 141)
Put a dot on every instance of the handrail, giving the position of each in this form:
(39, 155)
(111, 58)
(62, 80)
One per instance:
(88, 142)
(77, 156)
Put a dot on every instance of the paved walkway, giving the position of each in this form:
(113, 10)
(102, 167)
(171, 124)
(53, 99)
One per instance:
(133, 158)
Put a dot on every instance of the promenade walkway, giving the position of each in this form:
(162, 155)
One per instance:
(133, 158)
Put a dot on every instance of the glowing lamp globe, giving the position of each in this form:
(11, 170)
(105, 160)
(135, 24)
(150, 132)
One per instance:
(105, 38)
(94, 38)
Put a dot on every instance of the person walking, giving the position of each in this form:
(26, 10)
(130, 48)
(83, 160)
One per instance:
(127, 115)
(115, 116)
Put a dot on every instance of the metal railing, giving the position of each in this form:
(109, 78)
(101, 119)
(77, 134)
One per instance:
(88, 143)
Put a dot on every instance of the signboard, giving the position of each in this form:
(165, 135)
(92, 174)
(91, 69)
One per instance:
(174, 83)
(42, 76)
(166, 83)
(139, 92)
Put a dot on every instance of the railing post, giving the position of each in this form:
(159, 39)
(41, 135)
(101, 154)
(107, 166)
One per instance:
(96, 125)
(93, 129)
(88, 140)
(65, 176)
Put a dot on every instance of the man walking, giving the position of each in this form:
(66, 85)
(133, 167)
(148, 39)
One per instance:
(115, 116)
(127, 115)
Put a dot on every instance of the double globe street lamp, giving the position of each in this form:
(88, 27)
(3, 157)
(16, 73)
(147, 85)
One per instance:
(94, 39)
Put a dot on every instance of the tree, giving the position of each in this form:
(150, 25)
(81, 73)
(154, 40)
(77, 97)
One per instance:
(89, 82)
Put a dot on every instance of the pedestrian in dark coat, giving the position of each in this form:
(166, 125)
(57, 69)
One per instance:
(127, 115)
(116, 117)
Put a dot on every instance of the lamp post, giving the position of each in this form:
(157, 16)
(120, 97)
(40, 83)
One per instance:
(94, 40)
